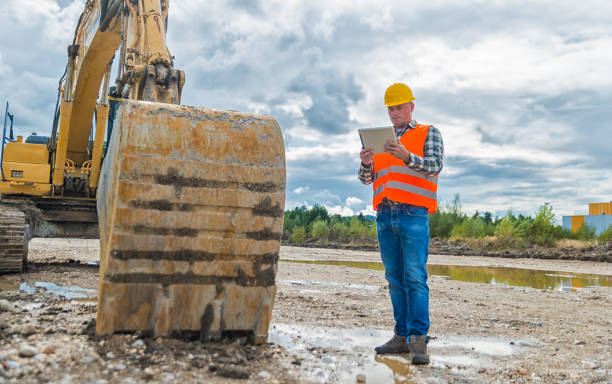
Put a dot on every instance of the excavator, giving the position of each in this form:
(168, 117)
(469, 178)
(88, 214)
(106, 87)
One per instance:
(187, 201)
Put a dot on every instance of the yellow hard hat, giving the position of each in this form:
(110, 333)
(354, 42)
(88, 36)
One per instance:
(398, 93)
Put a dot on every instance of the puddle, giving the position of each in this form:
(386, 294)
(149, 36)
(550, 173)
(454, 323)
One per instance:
(339, 355)
(465, 355)
(519, 277)
(68, 292)
(490, 347)
(327, 284)
(332, 355)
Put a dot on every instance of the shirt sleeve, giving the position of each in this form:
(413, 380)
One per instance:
(433, 154)
(366, 174)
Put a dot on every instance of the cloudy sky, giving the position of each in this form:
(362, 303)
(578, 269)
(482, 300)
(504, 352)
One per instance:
(521, 90)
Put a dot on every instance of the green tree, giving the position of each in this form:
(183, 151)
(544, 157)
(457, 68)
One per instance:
(340, 231)
(543, 231)
(474, 227)
(320, 231)
(357, 230)
(510, 232)
(298, 236)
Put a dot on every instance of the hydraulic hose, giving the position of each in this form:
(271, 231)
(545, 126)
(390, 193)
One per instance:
(111, 12)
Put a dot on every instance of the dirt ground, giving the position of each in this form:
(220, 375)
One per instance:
(326, 321)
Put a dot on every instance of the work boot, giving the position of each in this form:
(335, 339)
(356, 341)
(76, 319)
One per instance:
(418, 349)
(397, 344)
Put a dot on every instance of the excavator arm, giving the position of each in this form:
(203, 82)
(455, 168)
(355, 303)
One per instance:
(190, 200)
(145, 73)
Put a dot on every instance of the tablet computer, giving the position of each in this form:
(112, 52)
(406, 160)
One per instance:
(376, 138)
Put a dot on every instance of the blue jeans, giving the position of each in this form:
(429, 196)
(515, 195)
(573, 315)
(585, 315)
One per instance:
(403, 238)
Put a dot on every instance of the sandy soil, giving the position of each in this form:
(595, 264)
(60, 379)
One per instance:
(326, 321)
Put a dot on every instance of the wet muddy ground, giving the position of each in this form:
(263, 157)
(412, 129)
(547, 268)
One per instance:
(493, 320)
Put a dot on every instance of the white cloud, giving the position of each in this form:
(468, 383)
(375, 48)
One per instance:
(352, 200)
(340, 210)
(300, 190)
(368, 211)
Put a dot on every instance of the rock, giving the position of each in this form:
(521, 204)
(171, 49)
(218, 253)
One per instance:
(361, 378)
(537, 323)
(579, 342)
(148, 373)
(265, 375)
(6, 306)
(90, 328)
(27, 351)
(138, 343)
(12, 365)
(27, 329)
(590, 364)
(119, 367)
(49, 350)
(232, 372)
(168, 378)
(87, 359)
(197, 363)
(235, 355)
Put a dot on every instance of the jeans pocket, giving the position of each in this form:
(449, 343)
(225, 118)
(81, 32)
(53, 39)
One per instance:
(416, 212)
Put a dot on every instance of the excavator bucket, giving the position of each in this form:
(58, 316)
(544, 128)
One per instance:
(190, 212)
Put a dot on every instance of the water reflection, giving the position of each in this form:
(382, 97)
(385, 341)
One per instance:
(520, 277)
(71, 292)
(399, 365)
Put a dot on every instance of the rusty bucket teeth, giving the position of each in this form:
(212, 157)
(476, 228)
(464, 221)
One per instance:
(191, 213)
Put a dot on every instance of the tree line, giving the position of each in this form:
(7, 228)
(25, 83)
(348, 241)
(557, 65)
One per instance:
(315, 224)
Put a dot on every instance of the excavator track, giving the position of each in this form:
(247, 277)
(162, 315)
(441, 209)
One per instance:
(13, 239)
(57, 216)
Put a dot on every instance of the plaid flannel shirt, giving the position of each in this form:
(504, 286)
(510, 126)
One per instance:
(430, 163)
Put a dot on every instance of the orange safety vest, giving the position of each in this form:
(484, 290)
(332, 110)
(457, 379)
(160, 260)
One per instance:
(395, 181)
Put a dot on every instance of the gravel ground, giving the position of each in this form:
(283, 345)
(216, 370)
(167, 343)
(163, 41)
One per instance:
(326, 321)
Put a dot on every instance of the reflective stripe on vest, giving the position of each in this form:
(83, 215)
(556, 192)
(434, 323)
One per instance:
(407, 188)
(405, 171)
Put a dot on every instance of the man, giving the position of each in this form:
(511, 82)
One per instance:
(405, 181)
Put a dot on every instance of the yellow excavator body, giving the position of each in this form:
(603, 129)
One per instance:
(190, 200)
(25, 164)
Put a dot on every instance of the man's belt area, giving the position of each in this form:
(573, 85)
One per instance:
(391, 203)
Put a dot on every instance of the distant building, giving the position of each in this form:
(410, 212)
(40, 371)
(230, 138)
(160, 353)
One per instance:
(599, 217)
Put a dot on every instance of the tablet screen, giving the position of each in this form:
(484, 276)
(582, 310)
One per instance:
(376, 138)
